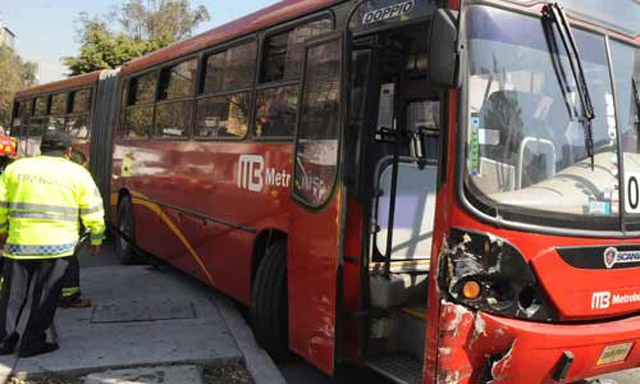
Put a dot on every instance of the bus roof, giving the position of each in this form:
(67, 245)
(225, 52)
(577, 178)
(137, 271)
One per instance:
(275, 14)
(72, 82)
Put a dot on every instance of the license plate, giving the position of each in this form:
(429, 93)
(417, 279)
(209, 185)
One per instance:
(615, 353)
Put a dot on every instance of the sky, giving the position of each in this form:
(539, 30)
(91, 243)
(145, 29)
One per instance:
(46, 29)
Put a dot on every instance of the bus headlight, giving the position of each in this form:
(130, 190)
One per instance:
(471, 290)
(489, 274)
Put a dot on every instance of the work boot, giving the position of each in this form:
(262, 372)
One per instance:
(75, 302)
(6, 348)
(40, 350)
(8, 344)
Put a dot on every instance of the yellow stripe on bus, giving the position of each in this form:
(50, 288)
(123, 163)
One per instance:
(174, 228)
(115, 199)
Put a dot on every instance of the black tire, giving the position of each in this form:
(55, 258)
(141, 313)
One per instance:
(269, 303)
(125, 250)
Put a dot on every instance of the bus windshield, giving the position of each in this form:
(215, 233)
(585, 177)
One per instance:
(621, 15)
(527, 147)
(627, 76)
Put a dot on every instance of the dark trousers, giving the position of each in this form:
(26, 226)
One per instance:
(29, 299)
(71, 286)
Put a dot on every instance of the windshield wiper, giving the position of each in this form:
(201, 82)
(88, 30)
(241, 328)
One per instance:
(556, 13)
(636, 93)
(558, 68)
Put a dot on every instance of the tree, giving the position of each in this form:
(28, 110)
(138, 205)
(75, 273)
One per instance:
(29, 73)
(141, 26)
(14, 74)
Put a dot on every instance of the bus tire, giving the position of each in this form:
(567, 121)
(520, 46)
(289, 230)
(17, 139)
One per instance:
(269, 308)
(126, 225)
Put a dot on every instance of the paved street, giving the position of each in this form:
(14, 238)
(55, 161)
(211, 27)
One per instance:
(294, 371)
(145, 316)
(628, 377)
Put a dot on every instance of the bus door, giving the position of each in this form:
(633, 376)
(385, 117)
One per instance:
(399, 178)
(314, 238)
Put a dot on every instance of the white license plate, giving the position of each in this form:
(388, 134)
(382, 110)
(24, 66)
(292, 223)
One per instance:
(615, 353)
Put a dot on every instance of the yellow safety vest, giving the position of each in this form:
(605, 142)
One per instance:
(42, 201)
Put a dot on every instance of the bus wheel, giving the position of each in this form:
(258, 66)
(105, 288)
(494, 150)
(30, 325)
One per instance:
(124, 249)
(269, 312)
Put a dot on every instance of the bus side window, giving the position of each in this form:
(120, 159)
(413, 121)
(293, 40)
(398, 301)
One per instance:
(138, 121)
(77, 120)
(232, 69)
(224, 116)
(78, 126)
(227, 81)
(316, 159)
(25, 111)
(59, 104)
(173, 118)
(18, 109)
(285, 51)
(59, 108)
(178, 81)
(40, 116)
(276, 112)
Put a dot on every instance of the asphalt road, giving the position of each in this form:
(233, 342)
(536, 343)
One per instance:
(297, 371)
(106, 258)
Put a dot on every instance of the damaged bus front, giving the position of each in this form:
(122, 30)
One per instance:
(538, 273)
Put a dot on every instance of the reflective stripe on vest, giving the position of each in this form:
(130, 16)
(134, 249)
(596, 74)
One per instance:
(68, 292)
(45, 250)
(42, 215)
(71, 211)
(88, 211)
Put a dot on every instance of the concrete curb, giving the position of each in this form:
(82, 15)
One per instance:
(176, 374)
(82, 372)
(258, 362)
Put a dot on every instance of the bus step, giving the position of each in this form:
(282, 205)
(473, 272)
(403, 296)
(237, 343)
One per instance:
(410, 332)
(400, 368)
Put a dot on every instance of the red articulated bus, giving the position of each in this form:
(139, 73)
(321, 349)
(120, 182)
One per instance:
(81, 106)
(64, 105)
(443, 191)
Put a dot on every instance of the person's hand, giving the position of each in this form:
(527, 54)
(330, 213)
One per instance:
(94, 249)
(3, 239)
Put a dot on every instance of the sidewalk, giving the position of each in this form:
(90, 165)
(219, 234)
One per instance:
(146, 317)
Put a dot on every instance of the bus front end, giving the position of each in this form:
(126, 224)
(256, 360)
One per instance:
(538, 271)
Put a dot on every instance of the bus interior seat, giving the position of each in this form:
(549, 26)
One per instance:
(398, 290)
(504, 110)
(501, 114)
(412, 235)
(414, 210)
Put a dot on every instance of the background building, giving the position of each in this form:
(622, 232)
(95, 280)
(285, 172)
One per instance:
(7, 37)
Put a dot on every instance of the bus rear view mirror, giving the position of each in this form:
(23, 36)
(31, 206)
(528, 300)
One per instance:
(443, 49)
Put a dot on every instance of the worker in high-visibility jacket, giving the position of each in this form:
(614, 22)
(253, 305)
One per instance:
(72, 296)
(41, 199)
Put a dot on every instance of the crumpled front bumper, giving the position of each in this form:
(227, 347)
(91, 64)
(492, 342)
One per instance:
(477, 347)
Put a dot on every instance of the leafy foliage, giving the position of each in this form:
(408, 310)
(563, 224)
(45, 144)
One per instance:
(14, 74)
(141, 26)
